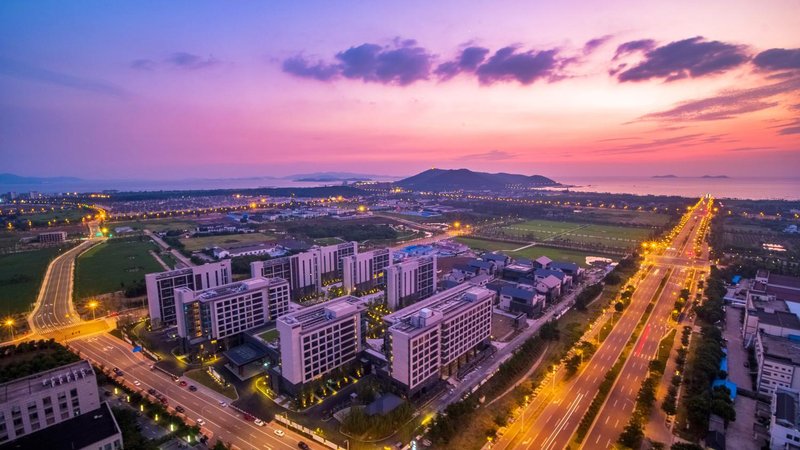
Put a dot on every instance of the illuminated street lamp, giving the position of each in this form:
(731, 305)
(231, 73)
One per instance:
(93, 306)
(10, 324)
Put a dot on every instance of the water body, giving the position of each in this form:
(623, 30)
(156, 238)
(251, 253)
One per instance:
(739, 188)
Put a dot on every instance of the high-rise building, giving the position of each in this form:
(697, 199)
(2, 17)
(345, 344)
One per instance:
(43, 399)
(161, 287)
(309, 271)
(410, 280)
(435, 337)
(318, 339)
(229, 309)
(364, 271)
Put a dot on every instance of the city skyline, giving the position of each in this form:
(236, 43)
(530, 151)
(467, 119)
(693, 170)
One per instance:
(120, 91)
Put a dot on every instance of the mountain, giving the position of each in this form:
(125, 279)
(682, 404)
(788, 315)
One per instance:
(334, 176)
(455, 179)
(10, 178)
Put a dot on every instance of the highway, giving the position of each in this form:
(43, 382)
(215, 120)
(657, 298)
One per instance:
(550, 420)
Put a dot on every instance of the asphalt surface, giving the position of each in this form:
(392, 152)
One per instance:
(550, 420)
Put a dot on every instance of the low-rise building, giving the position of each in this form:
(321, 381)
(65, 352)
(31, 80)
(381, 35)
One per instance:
(161, 287)
(433, 338)
(410, 281)
(223, 311)
(364, 271)
(53, 237)
(318, 339)
(521, 298)
(784, 424)
(778, 363)
(43, 399)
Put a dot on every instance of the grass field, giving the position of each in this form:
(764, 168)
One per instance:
(556, 254)
(626, 216)
(113, 265)
(198, 243)
(21, 276)
(549, 230)
(269, 335)
(58, 215)
(157, 224)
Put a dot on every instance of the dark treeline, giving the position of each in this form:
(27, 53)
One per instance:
(308, 192)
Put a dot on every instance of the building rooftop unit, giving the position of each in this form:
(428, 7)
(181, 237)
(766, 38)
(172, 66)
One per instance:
(312, 316)
(782, 319)
(174, 273)
(447, 303)
(236, 288)
(75, 433)
(781, 348)
(28, 385)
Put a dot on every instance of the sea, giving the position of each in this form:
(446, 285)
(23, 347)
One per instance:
(735, 187)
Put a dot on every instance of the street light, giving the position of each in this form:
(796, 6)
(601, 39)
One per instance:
(93, 305)
(10, 324)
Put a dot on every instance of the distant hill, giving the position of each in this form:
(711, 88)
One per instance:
(665, 176)
(454, 179)
(715, 176)
(10, 178)
(334, 176)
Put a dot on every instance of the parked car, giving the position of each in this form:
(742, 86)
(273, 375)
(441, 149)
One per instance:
(151, 391)
(303, 445)
(223, 404)
(248, 417)
(279, 433)
(193, 388)
(259, 422)
(183, 383)
(201, 422)
(137, 383)
(179, 409)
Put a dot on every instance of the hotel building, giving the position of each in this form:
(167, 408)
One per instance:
(226, 310)
(309, 271)
(318, 339)
(364, 271)
(433, 338)
(409, 281)
(161, 287)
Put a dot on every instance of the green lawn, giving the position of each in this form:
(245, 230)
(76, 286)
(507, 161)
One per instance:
(198, 243)
(556, 254)
(202, 377)
(610, 235)
(328, 241)
(157, 224)
(269, 335)
(114, 265)
(21, 276)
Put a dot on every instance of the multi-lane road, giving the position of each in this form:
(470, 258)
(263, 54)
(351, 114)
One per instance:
(551, 419)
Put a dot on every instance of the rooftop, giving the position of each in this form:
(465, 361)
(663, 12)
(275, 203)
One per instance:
(782, 319)
(238, 287)
(787, 404)
(784, 281)
(313, 316)
(26, 386)
(77, 432)
(444, 304)
(781, 348)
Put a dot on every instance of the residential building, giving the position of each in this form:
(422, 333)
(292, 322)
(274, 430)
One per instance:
(500, 260)
(521, 298)
(309, 271)
(364, 271)
(318, 339)
(161, 287)
(223, 311)
(569, 268)
(53, 237)
(771, 317)
(38, 401)
(542, 262)
(410, 280)
(778, 363)
(784, 424)
(431, 339)
(91, 430)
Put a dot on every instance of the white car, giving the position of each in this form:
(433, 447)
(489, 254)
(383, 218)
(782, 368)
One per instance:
(137, 383)
(279, 433)
(201, 422)
(223, 404)
(259, 422)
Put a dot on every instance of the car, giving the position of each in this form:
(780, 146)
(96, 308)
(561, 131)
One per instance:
(201, 422)
(248, 417)
(179, 409)
(164, 401)
(152, 367)
(137, 383)
(151, 391)
(280, 433)
(259, 422)
(107, 393)
(183, 383)
(303, 445)
(192, 388)
(223, 404)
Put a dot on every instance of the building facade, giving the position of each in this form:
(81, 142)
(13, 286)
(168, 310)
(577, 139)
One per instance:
(410, 281)
(46, 398)
(223, 311)
(161, 287)
(435, 337)
(318, 339)
(53, 237)
(784, 425)
(364, 271)
(778, 363)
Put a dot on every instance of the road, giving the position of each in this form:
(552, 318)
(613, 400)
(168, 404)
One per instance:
(221, 422)
(178, 255)
(549, 421)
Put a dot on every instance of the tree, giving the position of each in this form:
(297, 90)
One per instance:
(618, 307)
(632, 435)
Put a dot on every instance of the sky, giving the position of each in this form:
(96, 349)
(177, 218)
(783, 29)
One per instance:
(184, 89)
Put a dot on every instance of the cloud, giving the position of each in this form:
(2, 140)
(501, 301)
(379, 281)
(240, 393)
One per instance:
(689, 58)
(401, 65)
(526, 67)
(593, 44)
(728, 104)
(467, 61)
(23, 71)
(190, 61)
(791, 128)
(778, 59)
(634, 46)
(301, 67)
(751, 149)
(143, 64)
(685, 140)
(492, 155)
